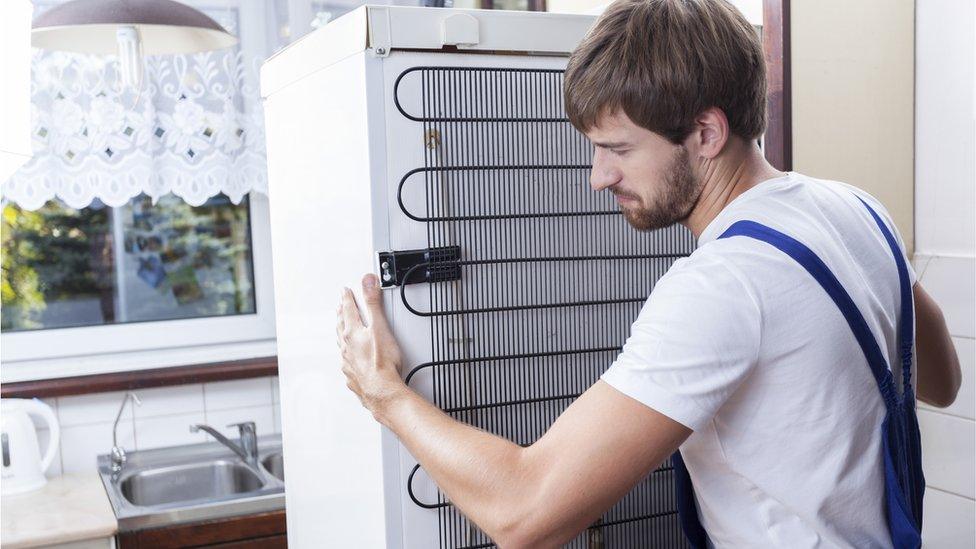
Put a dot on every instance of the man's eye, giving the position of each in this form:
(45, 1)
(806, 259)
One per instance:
(619, 152)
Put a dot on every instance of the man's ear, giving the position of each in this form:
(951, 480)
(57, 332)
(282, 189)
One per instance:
(711, 132)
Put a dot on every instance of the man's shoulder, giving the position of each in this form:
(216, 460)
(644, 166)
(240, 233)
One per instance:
(808, 209)
(722, 269)
(730, 256)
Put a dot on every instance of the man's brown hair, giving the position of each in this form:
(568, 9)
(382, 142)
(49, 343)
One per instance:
(663, 62)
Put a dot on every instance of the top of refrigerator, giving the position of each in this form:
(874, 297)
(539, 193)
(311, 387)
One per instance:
(379, 30)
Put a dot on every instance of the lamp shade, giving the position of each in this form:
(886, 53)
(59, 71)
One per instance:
(15, 119)
(164, 27)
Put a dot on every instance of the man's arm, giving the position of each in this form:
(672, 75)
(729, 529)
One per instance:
(542, 495)
(939, 375)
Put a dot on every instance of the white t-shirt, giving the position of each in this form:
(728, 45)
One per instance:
(740, 344)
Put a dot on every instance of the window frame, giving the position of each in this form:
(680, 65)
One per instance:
(87, 350)
(62, 352)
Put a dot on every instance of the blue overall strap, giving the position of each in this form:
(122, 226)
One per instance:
(909, 475)
(687, 509)
(906, 335)
(822, 274)
(904, 481)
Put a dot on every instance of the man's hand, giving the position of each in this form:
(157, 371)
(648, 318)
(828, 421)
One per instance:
(370, 354)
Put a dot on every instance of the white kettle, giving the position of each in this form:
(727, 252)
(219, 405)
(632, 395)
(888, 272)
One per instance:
(23, 469)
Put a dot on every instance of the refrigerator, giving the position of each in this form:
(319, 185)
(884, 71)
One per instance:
(430, 146)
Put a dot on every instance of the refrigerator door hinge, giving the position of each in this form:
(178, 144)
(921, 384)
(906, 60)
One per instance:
(399, 268)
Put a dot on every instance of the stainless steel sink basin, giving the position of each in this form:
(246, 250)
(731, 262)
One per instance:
(275, 464)
(207, 480)
(192, 483)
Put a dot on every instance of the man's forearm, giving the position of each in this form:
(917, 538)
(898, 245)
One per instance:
(939, 375)
(484, 475)
(540, 495)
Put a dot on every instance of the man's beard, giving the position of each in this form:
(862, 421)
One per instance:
(678, 196)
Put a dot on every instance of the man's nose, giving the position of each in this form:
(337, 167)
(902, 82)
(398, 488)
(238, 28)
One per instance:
(603, 174)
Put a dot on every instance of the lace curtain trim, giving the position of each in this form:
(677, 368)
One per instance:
(195, 130)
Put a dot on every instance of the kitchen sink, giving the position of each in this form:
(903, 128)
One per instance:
(275, 464)
(191, 483)
(209, 480)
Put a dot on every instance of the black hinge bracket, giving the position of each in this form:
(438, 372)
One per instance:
(414, 266)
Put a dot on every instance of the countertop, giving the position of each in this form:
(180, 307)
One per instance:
(71, 508)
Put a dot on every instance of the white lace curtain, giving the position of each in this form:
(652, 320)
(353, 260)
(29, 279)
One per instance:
(195, 130)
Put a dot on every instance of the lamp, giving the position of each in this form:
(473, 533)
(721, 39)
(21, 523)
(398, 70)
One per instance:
(15, 122)
(131, 28)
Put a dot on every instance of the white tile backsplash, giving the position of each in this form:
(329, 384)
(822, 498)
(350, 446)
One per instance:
(81, 444)
(163, 420)
(96, 408)
(169, 430)
(948, 521)
(948, 447)
(262, 416)
(162, 401)
(238, 393)
(276, 412)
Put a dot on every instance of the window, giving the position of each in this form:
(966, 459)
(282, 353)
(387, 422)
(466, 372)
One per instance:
(193, 286)
(141, 262)
(95, 281)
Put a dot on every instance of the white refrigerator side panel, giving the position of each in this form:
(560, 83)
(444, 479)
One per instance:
(322, 221)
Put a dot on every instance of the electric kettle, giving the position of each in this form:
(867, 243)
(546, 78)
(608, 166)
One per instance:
(23, 469)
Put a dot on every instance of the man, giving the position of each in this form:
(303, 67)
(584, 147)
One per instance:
(738, 356)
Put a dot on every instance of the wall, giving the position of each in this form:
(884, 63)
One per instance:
(945, 236)
(752, 9)
(853, 80)
(162, 420)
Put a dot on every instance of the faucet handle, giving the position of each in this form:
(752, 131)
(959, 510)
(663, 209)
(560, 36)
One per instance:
(244, 427)
(249, 439)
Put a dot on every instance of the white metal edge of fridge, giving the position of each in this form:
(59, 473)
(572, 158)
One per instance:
(376, 118)
(404, 152)
(541, 33)
(316, 50)
(312, 273)
(405, 27)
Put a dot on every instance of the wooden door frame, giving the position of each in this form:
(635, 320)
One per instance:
(778, 140)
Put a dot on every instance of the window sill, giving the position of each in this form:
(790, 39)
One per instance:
(132, 370)
(141, 379)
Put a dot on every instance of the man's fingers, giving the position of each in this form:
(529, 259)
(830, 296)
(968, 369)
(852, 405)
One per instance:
(374, 301)
(350, 313)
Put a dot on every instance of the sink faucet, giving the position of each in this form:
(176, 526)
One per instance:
(248, 448)
(118, 453)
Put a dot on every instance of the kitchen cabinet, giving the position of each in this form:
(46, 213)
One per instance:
(263, 530)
